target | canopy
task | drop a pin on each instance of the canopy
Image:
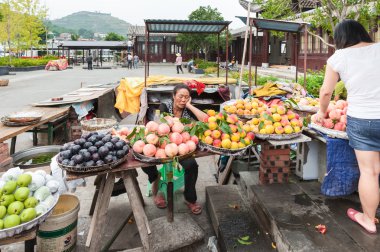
(115, 45)
(185, 26)
(275, 25)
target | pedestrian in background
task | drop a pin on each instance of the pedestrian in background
(178, 62)
(129, 60)
(89, 61)
(136, 61)
(357, 62)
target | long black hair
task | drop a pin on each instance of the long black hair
(179, 87)
(350, 32)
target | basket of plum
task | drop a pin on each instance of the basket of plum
(93, 152)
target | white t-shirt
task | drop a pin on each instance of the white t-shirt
(359, 69)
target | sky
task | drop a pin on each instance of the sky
(135, 11)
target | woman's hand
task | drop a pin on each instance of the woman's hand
(188, 102)
(320, 116)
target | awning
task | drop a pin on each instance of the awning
(113, 45)
(185, 26)
(275, 25)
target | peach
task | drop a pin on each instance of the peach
(183, 149)
(124, 132)
(208, 140)
(276, 117)
(176, 138)
(194, 139)
(138, 146)
(207, 133)
(212, 125)
(163, 129)
(178, 127)
(340, 126)
(233, 128)
(217, 143)
(171, 150)
(226, 143)
(251, 135)
(160, 153)
(281, 110)
(169, 120)
(288, 129)
(285, 122)
(334, 114)
(185, 137)
(343, 119)
(225, 136)
(192, 146)
(330, 107)
(206, 119)
(220, 116)
(211, 112)
(328, 123)
(211, 119)
(279, 130)
(152, 126)
(291, 115)
(340, 104)
(152, 139)
(216, 134)
(294, 122)
(163, 144)
(149, 150)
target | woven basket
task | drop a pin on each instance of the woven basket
(98, 124)
(4, 83)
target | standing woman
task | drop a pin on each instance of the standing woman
(180, 106)
(357, 64)
(178, 62)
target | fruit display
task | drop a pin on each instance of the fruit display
(307, 104)
(276, 120)
(336, 116)
(25, 196)
(92, 150)
(121, 133)
(245, 108)
(168, 139)
(225, 131)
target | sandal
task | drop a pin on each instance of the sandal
(351, 213)
(194, 207)
(159, 201)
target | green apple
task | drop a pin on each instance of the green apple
(24, 180)
(5, 200)
(9, 187)
(28, 215)
(1, 224)
(3, 211)
(12, 221)
(30, 202)
(22, 193)
(15, 207)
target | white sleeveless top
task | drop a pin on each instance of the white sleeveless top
(359, 68)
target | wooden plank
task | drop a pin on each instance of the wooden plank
(223, 177)
(138, 210)
(48, 114)
(23, 236)
(101, 216)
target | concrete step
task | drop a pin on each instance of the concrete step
(232, 220)
(290, 212)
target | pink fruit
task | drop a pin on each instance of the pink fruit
(330, 107)
(163, 129)
(339, 111)
(176, 138)
(152, 126)
(171, 150)
(192, 145)
(169, 120)
(217, 143)
(195, 139)
(185, 137)
(163, 144)
(149, 150)
(343, 119)
(328, 123)
(334, 114)
(138, 146)
(160, 153)
(340, 104)
(183, 149)
(340, 126)
(124, 132)
(345, 111)
(178, 127)
(152, 139)
(313, 118)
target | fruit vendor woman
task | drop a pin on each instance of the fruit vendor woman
(180, 107)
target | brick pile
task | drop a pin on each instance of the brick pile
(274, 164)
(5, 158)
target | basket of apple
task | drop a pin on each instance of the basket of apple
(26, 200)
(224, 134)
(245, 108)
(277, 123)
(306, 104)
(163, 142)
(335, 122)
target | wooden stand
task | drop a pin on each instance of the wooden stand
(28, 236)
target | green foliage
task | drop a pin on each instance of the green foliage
(211, 70)
(74, 37)
(261, 80)
(206, 64)
(84, 33)
(112, 36)
(19, 62)
(314, 81)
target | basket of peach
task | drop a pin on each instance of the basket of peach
(224, 134)
(163, 142)
(245, 108)
(277, 123)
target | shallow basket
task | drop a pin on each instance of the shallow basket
(305, 108)
(329, 132)
(222, 151)
(9, 232)
(5, 120)
(277, 136)
(91, 169)
(102, 125)
(146, 159)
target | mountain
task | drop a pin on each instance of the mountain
(92, 21)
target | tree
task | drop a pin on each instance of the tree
(204, 42)
(85, 33)
(112, 36)
(74, 37)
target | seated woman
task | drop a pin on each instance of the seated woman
(180, 107)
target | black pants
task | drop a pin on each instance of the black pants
(89, 65)
(191, 175)
(129, 64)
(179, 67)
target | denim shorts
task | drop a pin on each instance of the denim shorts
(363, 134)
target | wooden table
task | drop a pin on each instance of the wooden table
(126, 171)
(48, 114)
(28, 236)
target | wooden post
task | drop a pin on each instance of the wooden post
(244, 50)
(296, 54)
(146, 53)
(226, 55)
(218, 54)
(250, 57)
(305, 55)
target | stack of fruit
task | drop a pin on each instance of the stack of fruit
(25, 196)
(276, 120)
(245, 108)
(307, 104)
(226, 132)
(93, 149)
(336, 116)
(163, 140)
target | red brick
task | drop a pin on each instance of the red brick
(275, 152)
(265, 157)
(274, 147)
(275, 163)
(6, 162)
